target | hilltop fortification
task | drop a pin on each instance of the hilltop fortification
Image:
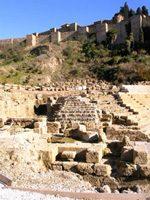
(75, 31)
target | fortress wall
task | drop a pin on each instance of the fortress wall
(146, 21)
(56, 36)
(83, 32)
(6, 43)
(31, 40)
(101, 30)
(18, 40)
(40, 38)
(45, 33)
(122, 34)
(64, 29)
(65, 35)
(92, 29)
(136, 24)
(73, 27)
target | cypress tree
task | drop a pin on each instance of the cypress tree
(141, 36)
(138, 11)
(144, 10)
(131, 13)
(125, 11)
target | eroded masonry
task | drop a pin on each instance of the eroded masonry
(85, 126)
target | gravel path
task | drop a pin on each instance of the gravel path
(8, 194)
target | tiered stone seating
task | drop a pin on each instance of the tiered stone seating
(75, 109)
(137, 101)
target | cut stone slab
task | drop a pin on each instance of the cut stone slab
(53, 127)
(89, 136)
(145, 170)
(140, 154)
(68, 155)
(102, 170)
(70, 166)
(127, 153)
(84, 168)
(94, 154)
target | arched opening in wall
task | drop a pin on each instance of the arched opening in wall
(41, 110)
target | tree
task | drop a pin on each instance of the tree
(131, 39)
(138, 11)
(125, 11)
(144, 10)
(111, 35)
(141, 36)
(131, 13)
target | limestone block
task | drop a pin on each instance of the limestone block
(38, 125)
(89, 136)
(43, 130)
(37, 130)
(57, 166)
(102, 136)
(102, 170)
(53, 127)
(82, 128)
(127, 153)
(145, 170)
(94, 154)
(125, 169)
(70, 166)
(84, 168)
(68, 155)
(48, 157)
(140, 154)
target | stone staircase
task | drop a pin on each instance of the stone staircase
(76, 109)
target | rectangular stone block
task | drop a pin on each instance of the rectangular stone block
(53, 127)
(140, 154)
(68, 155)
(37, 125)
(94, 154)
(102, 170)
(127, 153)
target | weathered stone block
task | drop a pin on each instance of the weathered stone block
(125, 169)
(53, 127)
(84, 168)
(127, 153)
(68, 155)
(70, 166)
(145, 170)
(94, 154)
(140, 154)
(48, 157)
(82, 128)
(102, 170)
(38, 124)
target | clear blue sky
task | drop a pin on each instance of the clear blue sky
(21, 17)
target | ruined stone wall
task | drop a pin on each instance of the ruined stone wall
(136, 24)
(31, 40)
(18, 40)
(146, 21)
(83, 32)
(101, 32)
(56, 36)
(92, 29)
(6, 43)
(122, 33)
(66, 35)
(41, 38)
